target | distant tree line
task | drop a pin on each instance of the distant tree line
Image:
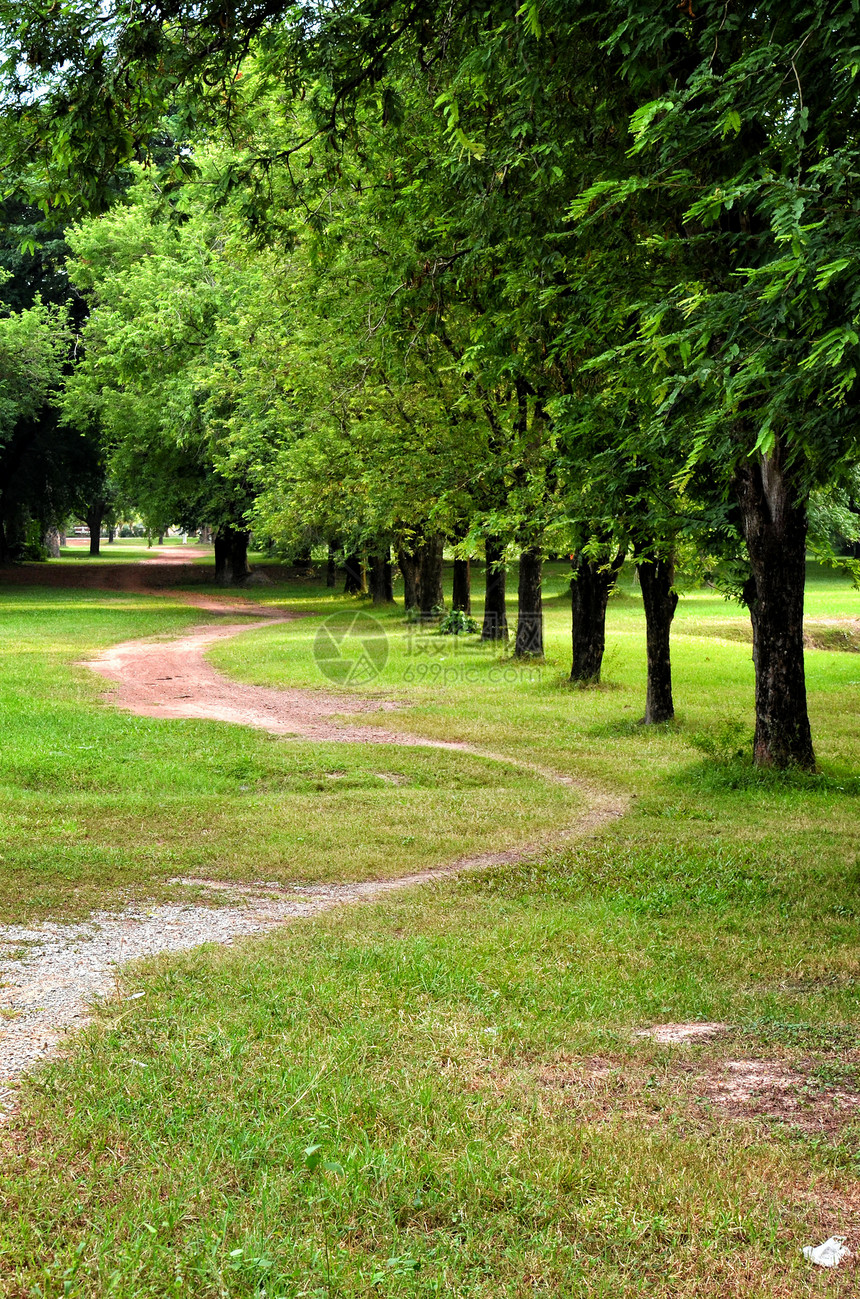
(517, 280)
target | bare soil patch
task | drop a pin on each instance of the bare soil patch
(150, 576)
(698, 1093)
(146, 576)
(778, 1092)
(692, 1032)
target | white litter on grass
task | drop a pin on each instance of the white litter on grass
(830, 1254)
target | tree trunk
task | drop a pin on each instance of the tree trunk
(431, 596)
(529, 642)
(238, 542)
(111, 534)
(590, 588)
(381, 577)
(52, 543)
(775, 524)
(231, 555)
(410, 569)
(355, 583)
(660, 601)
(220, 544)
(462, 595)
(495, 614)
(94, 517)
(331, 567)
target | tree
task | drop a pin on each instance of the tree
(33, 347)
(46, 469)
(744, 190)
(149, 346)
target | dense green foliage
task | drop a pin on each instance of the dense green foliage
(554, 278)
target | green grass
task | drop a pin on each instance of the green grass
(124, 550)
(128, 550)
(96, 804)
(460, 1058)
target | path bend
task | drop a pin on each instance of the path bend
(48, 986)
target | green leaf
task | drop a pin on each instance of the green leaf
(827, 272)
(313, 1157)
(731, 123)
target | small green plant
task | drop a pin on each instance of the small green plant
(316, 1166)
(457, 623)
(724, 741)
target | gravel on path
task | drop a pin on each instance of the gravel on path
(51, 972)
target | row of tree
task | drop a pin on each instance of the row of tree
(533, 278)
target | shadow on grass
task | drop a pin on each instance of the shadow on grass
(718, 774)
(628, 727)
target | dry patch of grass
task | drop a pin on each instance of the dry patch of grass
(812, 1095)
(818, 633)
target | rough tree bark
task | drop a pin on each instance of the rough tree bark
(495, 612)
(220, 544)
(381, 576)
(410, 568)
(462, 594)
(239, 542)
(590, 588)
(431, 596)
(775, 524)
(52, 543)
(660, 601)
(529, 641)
(356, 581)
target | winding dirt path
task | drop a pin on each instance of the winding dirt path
(51, 972)
(175, 679)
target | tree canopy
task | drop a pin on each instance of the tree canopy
(542, 276)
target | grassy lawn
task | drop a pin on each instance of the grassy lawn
(128, 550)
(443, 1093)
(97, 805)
